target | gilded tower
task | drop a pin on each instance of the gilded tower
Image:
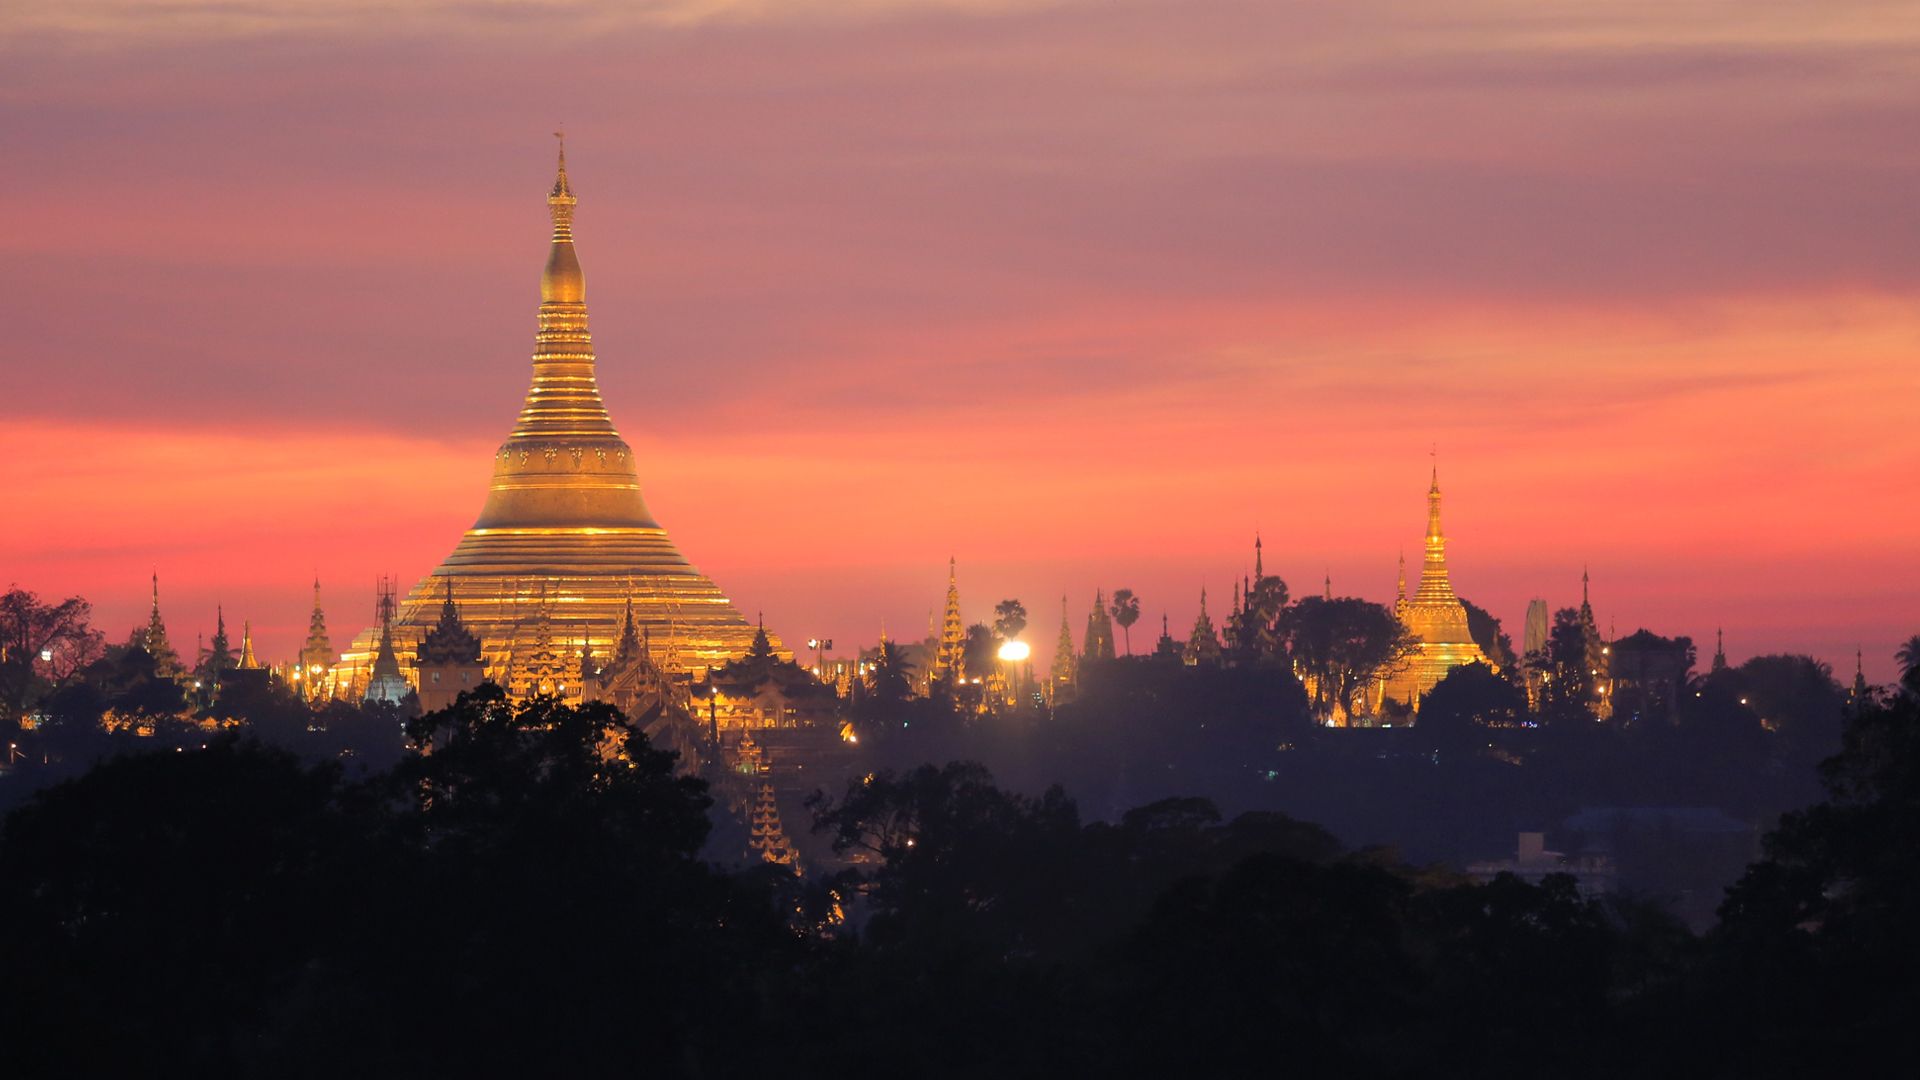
(166, 662)
(1435, 616)
(564, 520)
(1065, 667)
(950, 660)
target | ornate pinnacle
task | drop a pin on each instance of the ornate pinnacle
(560, 200)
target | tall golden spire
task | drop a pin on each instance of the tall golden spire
(565, 506)
(564, 464)
(1434, 583)
(247, 661)
(950, 661)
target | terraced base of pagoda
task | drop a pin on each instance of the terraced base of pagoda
(690, 623)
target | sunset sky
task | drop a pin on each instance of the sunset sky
(1081, 293)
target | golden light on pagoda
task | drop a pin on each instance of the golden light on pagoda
(565, 539)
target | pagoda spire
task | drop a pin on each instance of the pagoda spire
(247, 662)
(317, 656)
(1435, 585)
(1203, 645)
(1329, 585)
(221, 658)
(950, 661)
(629, 645)
(1860, 693)
(1401, 592)
(166, 661)
(1259, 571)
(1719, 650)
(564, 463)
(1098, 643)
(1062, 671)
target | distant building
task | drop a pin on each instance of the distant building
(1532, 862)
(388, 683)
(450, 661)
(1435, 616)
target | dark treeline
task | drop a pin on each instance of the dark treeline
(529, 898)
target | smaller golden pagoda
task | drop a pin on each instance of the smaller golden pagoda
(1434, 615)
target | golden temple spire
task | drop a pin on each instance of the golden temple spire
(560, 200)
(949, 661)
(247, 661)
(1434, 583)
(564, 464)
(1402, 593)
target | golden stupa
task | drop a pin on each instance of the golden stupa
(565, 539)
(1434, 615)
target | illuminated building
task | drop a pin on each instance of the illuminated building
(314, 670)
(564, 520)
(1435, 616)
(247, 661)
(388, 683)
(449, 662)
(1064, 669)
(631, 680)
(166, 662)
(766, 838)
(1534, 661)
(950, 660)
(1203, 645)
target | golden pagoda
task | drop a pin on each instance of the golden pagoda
(950, 660)
(565, 539)
(1434, 615)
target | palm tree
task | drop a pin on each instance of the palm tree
(1908, 657)
(1009, 618)
(1125, 611)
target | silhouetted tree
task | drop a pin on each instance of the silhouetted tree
(1125, 609)
(1009, 618)
(1470, 700)
(1814, 962)
(41, 646)
(1908, 657)
(1343, 645)
(1568, 694)
(1254, 631)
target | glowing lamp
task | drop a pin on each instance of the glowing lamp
(1015, 651)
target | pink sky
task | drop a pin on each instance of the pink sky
(1081, 293)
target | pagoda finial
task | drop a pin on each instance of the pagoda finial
(1258, 571)
(156, 592)
(561, 189)
(1435, 585)
(1403, 574)
(562, 282)
(1329, 584)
